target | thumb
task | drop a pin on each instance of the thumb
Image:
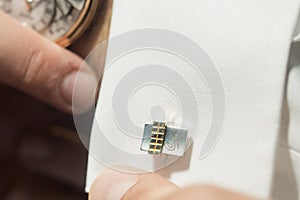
(43, 69)
(112, 185)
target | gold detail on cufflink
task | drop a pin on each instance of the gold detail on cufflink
(158, 139)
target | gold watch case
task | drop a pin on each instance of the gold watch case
(62, 21)
(81, 24)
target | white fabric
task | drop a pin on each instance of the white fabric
(249, 43)
(296, 37)
(286, 183)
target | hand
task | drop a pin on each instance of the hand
(112, 185)
(37, 162)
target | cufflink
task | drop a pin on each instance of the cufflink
(159, 138)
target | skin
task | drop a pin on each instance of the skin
(27, 59)
(109, 185)
(40, 68)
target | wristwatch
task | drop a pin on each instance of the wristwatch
(62, 21)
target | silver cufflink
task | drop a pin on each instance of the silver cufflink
(159, 138)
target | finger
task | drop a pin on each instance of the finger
(115, 186)
(112, 185)
(41, 68)
(205, 192)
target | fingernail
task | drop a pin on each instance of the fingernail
(79, 90)
(112, 185)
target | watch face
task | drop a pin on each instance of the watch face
(58, 20)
